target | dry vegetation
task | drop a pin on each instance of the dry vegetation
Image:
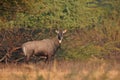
(94, 69)
(93, 38)
(78, 45)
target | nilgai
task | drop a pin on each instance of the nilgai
(45, 47)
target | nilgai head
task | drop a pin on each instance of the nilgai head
(60, 34)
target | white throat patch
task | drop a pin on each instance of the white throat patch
(60, 41)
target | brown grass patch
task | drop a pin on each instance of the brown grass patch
(62, 70)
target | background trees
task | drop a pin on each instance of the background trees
(93, 25)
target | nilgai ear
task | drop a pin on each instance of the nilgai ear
(64, 31)
(57, 31)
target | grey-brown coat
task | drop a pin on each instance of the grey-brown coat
(45, 47)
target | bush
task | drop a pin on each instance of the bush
(93, 25)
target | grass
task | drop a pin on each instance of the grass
(94, 69)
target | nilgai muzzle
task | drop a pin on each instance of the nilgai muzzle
(45, 47)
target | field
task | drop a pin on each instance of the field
(94, 69)
(90, 49)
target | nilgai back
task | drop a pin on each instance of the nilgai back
(45, 47)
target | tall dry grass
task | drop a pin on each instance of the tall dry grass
(94, 69)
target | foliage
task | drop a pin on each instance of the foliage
(60, 13)
(93, 25)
